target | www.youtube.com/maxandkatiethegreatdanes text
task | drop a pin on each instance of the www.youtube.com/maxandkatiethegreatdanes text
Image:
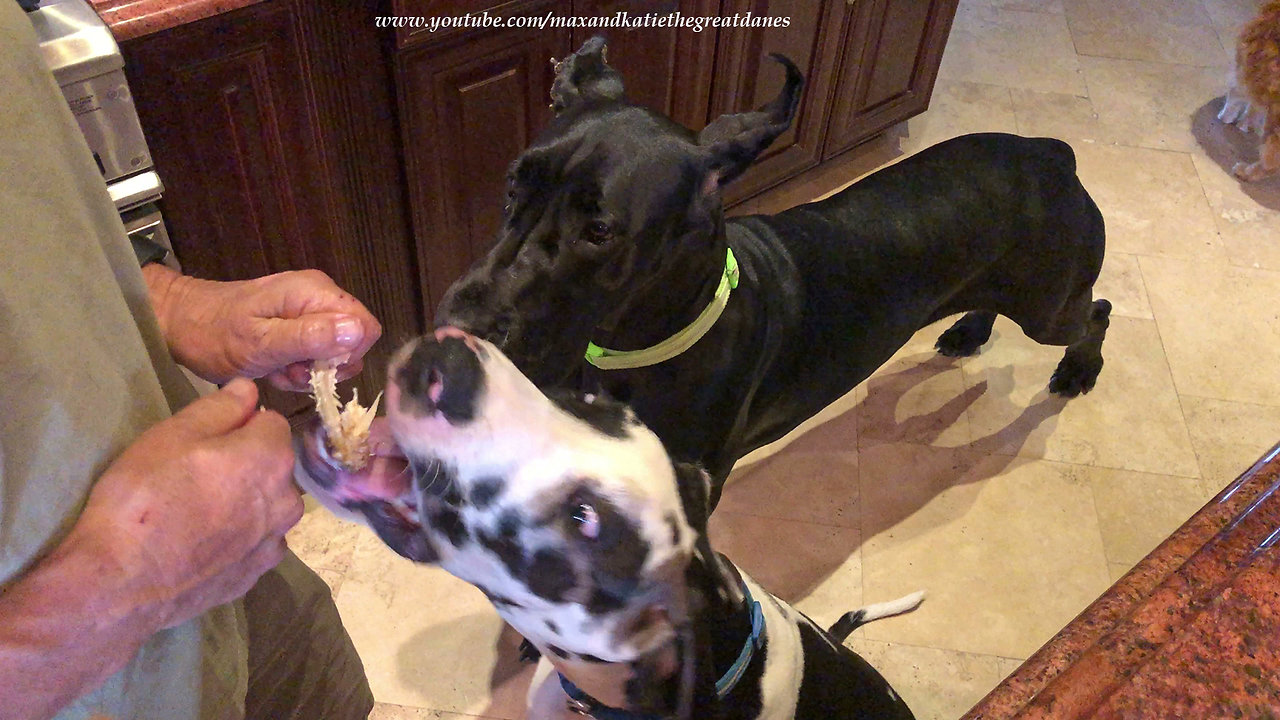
(619, 20)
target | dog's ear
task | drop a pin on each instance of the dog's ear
(694, 483)
(584, 77)
(733, 141)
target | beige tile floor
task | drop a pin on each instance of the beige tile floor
(1012, 509)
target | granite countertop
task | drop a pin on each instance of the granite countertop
(1193, 631)
(129, 19)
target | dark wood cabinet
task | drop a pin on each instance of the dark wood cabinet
(746, 78)
(211, 101)
(297, 133)
(468, 105)
(272, 164)
(471, 100)
(889, 61)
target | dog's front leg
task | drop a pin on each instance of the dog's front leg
(546, 699)
(1234, 106)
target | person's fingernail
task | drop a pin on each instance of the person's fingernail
(347, 331)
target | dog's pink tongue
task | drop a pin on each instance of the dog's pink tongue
(386, 476)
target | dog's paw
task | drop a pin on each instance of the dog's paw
(960, 340)
(1232, 110)
(1251, 172)
(1075, 376)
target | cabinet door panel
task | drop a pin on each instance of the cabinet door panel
(746, 78)
(890, 61)
(468, 110)
(241, 201)
(224, 107)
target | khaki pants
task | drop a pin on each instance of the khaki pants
(302, 665)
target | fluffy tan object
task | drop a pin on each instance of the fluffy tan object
(1253, 102)
(346, 427)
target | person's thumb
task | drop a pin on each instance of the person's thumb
(221, 412)
(319, 336)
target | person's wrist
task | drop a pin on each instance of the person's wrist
(115, 619)
(126, 599)
(166, 288)
(186, 309)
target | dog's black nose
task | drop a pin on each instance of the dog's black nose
(443, 373)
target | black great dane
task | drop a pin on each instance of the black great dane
(615, 269)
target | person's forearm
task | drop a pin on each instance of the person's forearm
(65, 627)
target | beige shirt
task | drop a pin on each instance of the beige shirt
(83, 371)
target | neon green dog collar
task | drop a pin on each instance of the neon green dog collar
(607, 359)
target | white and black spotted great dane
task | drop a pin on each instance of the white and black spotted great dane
(573, 520)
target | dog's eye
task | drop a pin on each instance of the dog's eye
(598, 232)
(587, 520)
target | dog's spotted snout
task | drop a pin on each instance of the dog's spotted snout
(443, 374)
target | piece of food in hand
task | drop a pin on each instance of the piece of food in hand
(346, 428)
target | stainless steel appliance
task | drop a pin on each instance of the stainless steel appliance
(87, 64)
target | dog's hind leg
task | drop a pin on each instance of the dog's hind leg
(967, 335)
(1079, 368)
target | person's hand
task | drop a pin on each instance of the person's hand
(196, 509)
(270, 327)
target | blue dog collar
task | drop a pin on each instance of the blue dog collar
(731, 677)
(587, 706)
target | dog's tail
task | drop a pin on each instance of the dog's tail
(853, 620)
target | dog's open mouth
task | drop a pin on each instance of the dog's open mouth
(384, 485)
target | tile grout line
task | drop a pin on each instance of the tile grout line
(997, 453)
(914, 646)
(964, 388)
(1066, 19)
(1213, 213)
(1097, 516)
(1155, 62)
(802, 522)
(436, 711)
(1210, 398)
(1217, 32)
(1013, 107)
(1164, 352)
